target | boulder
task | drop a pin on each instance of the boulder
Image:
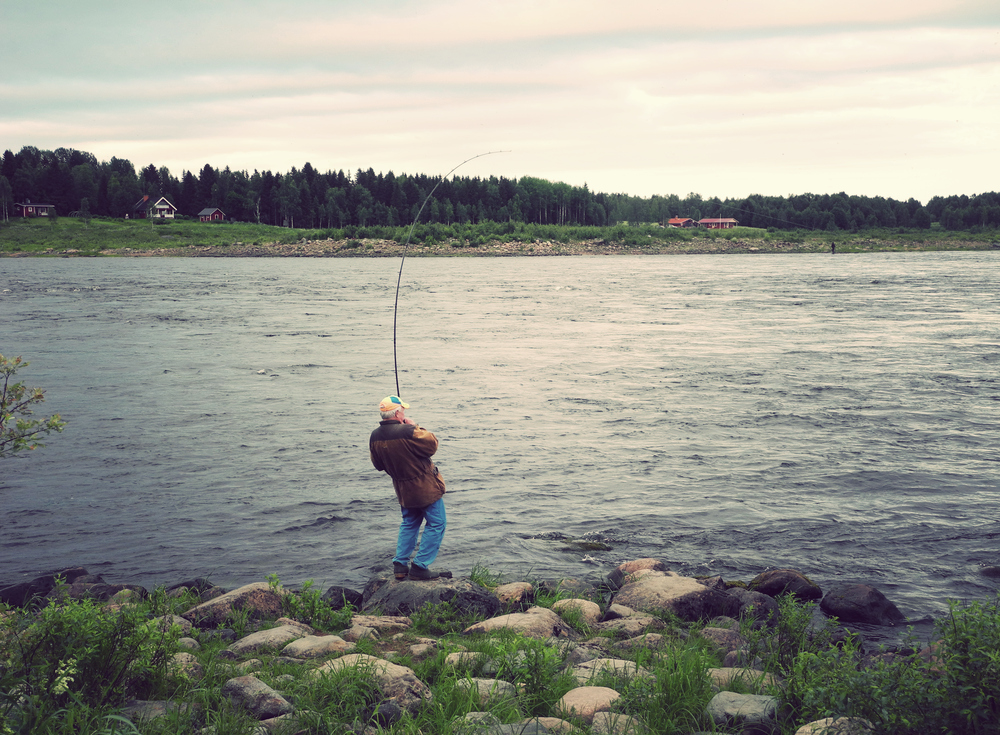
(620, 575)
(257, 698)
(756, 606)
(397, 683)
(489, 691)
(317, 646)
(837, 726)
(517, 595)
(20, 594)
(384, 593)
(382, 624)
(537, 622)
(339, 597)
(589, 670)
(754, 713)
(590, 612)
(585, 702)
(257, 599)
(775, 582)
(269, 640)
(860, 603)
(616, 723)
(723, 639)
(685, 597)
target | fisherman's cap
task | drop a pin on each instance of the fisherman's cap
(391, 403)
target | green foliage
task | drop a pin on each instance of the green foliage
(17, 431)
(74, 658)
(308, 606)
(441, 619)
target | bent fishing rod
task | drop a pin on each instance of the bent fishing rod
(399, 279)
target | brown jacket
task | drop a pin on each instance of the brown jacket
(404, 452)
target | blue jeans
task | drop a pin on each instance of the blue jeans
(430, 540)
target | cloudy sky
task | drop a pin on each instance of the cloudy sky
(896, 98)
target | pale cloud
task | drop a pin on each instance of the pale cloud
(725, 98)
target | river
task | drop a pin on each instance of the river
(727, 414)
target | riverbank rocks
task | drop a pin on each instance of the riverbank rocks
(383, 592)
(685, 597)
(620, 575)
(860, 603)
(255, 697)
(22, 593)
(837, 726)
(537, 622)
(257, 600)
(395, 682)
(271, 639)
(752, 713)
(776, 582)
(585, 702)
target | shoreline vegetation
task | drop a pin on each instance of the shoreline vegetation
(81, 237)
(643, 652)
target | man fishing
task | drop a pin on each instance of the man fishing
(403, 450)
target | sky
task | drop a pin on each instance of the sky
(727, 98)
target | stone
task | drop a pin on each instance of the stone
(185, 665)
(756, 606)
(271, 639)
(589, 670)
(630, 627)
(860, 603)
(489, 691)
(651, 641)
(137, 710)
(753, 712)
(620, 575)
(776, 582)
(166, 622)
(188, 644)
(257, 698)
(383, 624)
(553, 725)
(536, 622)
(360, 633)
(585, 702)
(837, 726)
(317, 646)
(339, 597)
(519, 595)
(258, 600)
(751, 678)
(396, 682)
(685, 597)
(22, 593)
(405, 597)
(615, 723)
(590, 612)
(724, 640)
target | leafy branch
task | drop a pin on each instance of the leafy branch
(18, 431)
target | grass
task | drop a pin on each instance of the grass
(104, 237)
(70, 666)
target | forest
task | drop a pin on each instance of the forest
(76, 183)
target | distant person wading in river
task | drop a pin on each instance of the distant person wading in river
(403, 450)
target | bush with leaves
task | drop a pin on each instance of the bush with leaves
(18, 432)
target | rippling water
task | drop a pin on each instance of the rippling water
(836, 414)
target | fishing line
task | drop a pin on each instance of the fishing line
(399, 279)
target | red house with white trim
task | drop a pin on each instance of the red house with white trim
(211, 214)
(27, 209)
(681, 222)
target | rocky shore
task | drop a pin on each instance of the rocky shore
(588, 629)
(390, 248)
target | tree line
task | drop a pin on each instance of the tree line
(75, 182)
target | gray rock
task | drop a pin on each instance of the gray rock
(256, 697)
(685, 597)
(537, 622)
(755, 606)
(620, 575)
(257, 599)
(775, 582)
(403, 598)
(398, 683)
(753, 713)
(860, 603)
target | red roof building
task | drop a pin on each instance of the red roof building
(681, 222)
(211, 214)
(27, 209)
(726, 223)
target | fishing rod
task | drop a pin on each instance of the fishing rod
(399, 279)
